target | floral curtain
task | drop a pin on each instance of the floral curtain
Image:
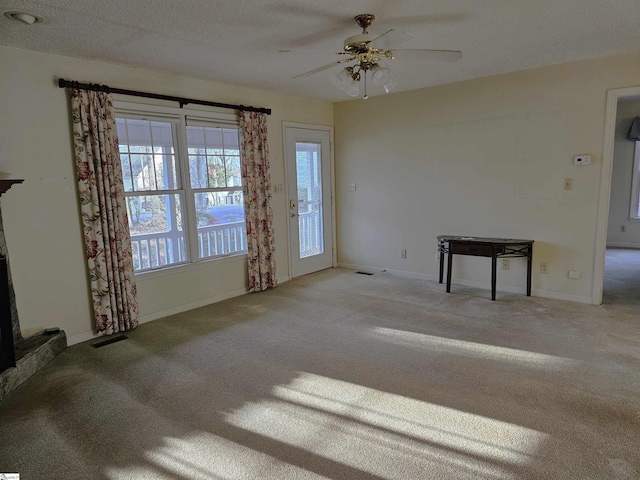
(257, 201)
(104, 213)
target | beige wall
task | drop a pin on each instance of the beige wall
(485, 157)
(41, 216)
(623, 156)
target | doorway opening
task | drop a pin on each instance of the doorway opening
(617, 259)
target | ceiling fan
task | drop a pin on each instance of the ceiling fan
(367, 51)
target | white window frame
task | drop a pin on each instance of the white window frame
(635, 186)
(197, 117)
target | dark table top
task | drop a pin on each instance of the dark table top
(483, 240)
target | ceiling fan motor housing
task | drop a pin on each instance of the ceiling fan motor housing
(358, 43)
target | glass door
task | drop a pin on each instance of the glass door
(309, 195)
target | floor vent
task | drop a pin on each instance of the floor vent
(109, 341)
(365, 273)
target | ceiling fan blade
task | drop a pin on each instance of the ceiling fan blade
(390, 39)
(430, 55)
(324, 67)
(324, 52)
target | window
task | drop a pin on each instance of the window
(182, 185)
(634, 212)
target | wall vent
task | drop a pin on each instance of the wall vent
(109, 341)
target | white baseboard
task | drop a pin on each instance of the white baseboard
(569, 297)
(471, 283)
(399, 273)
(193, 305)
(623, 245)
(83, 337)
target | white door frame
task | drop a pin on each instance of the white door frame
(605, 186)
(324, 128)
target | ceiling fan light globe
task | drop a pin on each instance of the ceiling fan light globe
(391, 82)
(341, 79)
(353, 90)
(380, 75)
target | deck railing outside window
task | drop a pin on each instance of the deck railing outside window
(155, 250)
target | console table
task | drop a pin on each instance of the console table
(484, 247)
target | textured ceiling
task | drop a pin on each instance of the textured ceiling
(238, 41)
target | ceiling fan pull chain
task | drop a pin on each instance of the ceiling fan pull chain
(366, 97)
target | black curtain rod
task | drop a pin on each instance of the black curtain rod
(62, 83)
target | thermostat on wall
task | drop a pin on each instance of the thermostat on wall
(582, 160)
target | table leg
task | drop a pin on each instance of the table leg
(441, 265)
(529, 259)
(449, 264)
(494, 261)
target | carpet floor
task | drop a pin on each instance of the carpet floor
(622, 277)
(345, 376)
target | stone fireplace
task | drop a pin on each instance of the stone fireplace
(19, 357)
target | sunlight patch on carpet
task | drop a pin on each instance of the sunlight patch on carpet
(205, 456)
(523, 358)
(386, 434)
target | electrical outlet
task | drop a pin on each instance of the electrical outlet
(403, 253)
(543, 268)
(623, 228)
(352, 186)
(505, 264)
(437, 257)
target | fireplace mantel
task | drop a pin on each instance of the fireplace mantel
(9, 323)
(6, 183)
(25, 356)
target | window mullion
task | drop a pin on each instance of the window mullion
(191, 223)
(153, 158)
(223, 155)
(126, 130)
(217, 189)
(146, 193)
